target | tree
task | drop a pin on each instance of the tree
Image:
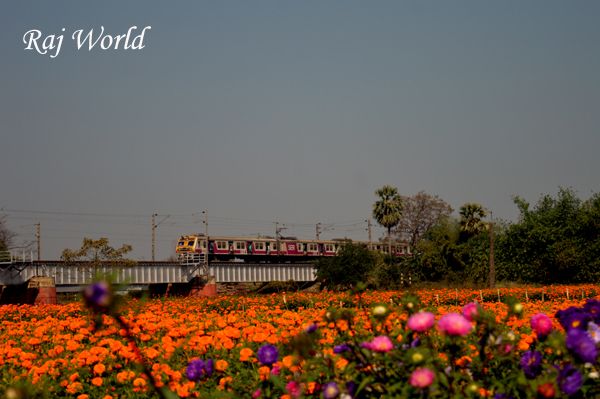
(96, 253)
(388, 210)
(6, 236)
(470, 220)
(558, 241)
(419, 214)
(353, 264)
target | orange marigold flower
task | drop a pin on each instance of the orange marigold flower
(288, 361)
(245, 354)
(224, 381)
(139, 382)
(264, 372)
(97, 381)
(99, 369)
(221, 365)
(83, 396)
(341, 364)
(74, 387)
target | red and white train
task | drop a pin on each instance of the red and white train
(195, 247)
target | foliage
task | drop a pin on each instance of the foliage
(98, 252)
(419, 214)
(388, 209)
(470, 220)
(6, 236)
(446, 254)
(556, 241)
(353, 264)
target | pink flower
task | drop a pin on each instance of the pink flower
(541, 324)
(470, 311)
(421, 378)
(421, 321)
(454, 324)
(381, 344)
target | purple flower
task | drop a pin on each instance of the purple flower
(573, 317)
(196, 369)
(569, 380)
(351, 387)
(311, 328)
(531, 363)
(98, 295)
(592, 307)
(330, 390)
(421, 321)
(582, 345)
(341, 348)
(594, 331)
(267, 354)
(209, 367)
(455, 324)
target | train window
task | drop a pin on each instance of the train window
(240, 245)
(221, 244)
(312, 247)
(181, 243)
(300, 247)
(190, 243)
(259, 246)
(329, 247)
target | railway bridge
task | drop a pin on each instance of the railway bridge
(19, 270)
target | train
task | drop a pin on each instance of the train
(195, 248)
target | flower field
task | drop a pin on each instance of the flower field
(534, 342)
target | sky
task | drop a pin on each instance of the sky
(288, 111)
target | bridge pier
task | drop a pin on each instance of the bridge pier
(41, 291)
(203, 288)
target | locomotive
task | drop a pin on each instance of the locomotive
(196, 247)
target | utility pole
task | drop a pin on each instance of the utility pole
(38, 238)
(154, 226)
(154, 215)
(318, 230)
(492, 266)
(206, 264)
(369, 230)
(277, 234)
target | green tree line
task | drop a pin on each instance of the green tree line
(555, 240)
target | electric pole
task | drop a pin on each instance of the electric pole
(369, 229)
(206, 264)
(277, 234)
(38, 238)
(154, 215)
(318, 230)
(492, 266)
(154, 226)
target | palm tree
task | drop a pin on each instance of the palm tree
(388, 210)
(470, 219)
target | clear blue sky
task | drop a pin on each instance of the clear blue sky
(292, 111)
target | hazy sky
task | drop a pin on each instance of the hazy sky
(295, 111)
